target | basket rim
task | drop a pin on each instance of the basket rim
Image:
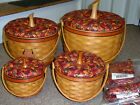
(95, 34)
(57, 30)
(31, 40)
(31, 79)
(23, 80)
(80, 79)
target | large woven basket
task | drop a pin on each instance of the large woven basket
(79, 89)
(107, 45)
(39, 48)
(24, 87)
(43, 49)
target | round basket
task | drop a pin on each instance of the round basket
(106, 44)
(79, 89)
(39, 48)
(25, 87)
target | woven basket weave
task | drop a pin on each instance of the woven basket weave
(79, 90)
(42, 49)
(24, 89)
(105, 45)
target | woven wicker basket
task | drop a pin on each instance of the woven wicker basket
(39, 48)
(24, 88)
(79, 90)
(43, 49)
(107, 45)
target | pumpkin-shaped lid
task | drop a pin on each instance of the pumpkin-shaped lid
(79, 64)
(24, 68)
(31, 27)
(93, 20)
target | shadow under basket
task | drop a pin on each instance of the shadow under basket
(79, 89)
(24, 88)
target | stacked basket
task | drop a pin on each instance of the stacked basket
(97, 32)
(32, 42)
(92, 39)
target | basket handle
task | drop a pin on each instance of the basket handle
(62, 30)
(3, 81)
(103, 84)
(5, 43)
(59, 35)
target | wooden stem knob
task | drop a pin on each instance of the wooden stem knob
(79, 61)
(24, 63)
(31, 20)
(94, 9)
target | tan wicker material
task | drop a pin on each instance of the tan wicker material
(79, 90)
(105, 45)
(24, 89)
(42, 49)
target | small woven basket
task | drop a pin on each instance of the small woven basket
(24, 88)
(39, 48)
(79, 89)
(107, 45)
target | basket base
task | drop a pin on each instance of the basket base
(79, 91)
(24, 89)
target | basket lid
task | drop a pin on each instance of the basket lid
(81, 20)
(79, 64)
(31, 28)
(24, 68)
